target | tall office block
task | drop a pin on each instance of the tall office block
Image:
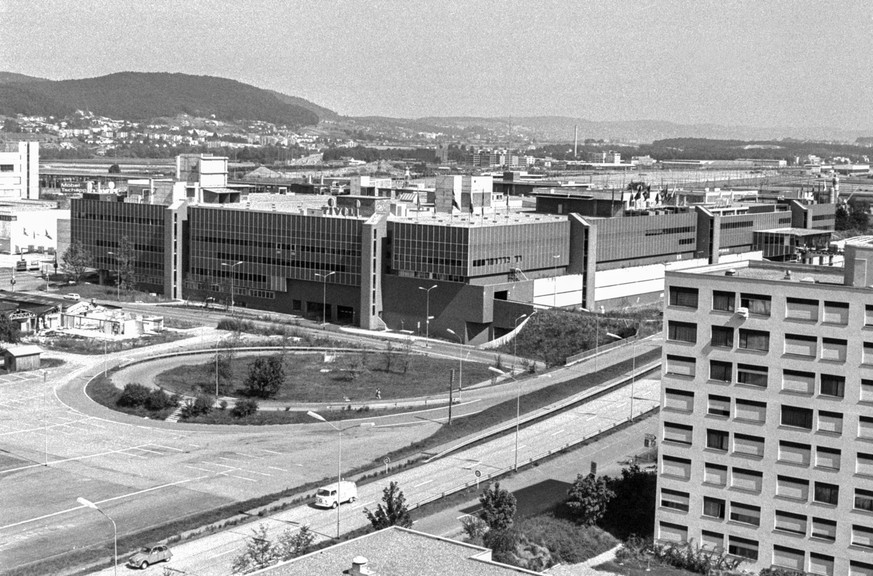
(19, 171)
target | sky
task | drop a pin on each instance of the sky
(732, 62)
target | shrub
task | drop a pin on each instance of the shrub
(222, 405)
(568, 543)
(200, 406)
(266, 377)
(244, 407)
(504, 540)
(498, 507)
(134, 395)
(158, 400)
(632, 510)
(474, 527)
(588, 498)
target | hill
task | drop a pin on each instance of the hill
(140, 96)
(12, 77)
(322, 112)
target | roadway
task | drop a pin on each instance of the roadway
(213, 555)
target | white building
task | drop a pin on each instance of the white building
(19, 171)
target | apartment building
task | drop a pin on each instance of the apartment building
(767, 420)
(19, 171)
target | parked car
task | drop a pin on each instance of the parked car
(72, 296)
(150, 555)
(327, 497)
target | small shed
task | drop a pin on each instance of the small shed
(22, 358)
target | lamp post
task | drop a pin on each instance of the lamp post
(324, 278)
(460, 362)
(596, 334)
(555, 291)
(45, 430)
(633, 365)
(90, 504)
(517, 410)
(339, 459)
(427, 313)
(117, 276)
(231, 266)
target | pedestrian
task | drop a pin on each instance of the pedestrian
(378, 394)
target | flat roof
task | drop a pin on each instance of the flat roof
(397, 552)
(467, 220)
(796, 231)
(800, 273)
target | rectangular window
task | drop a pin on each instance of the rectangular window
(674, 499)
(756, 303)
(797, 417)
(711, 540)
(820, 564)
(681, 365)
(798, 382)
(801, 309)
(681, 296)
(713, 507)
(789, 522)
(868, 315)
(676, 467)
(668, 532)
(863, 500)
(866, 390)
(750, 410)
(826, 493)
(801, 345)
(743, 547)
(746, 514)
(867, 358)
(827, 458)
(864, 464)
(857, 568)
(833, 350)
(682, 331)
(717, 440)
(862, 536)
(749, 480)
(754, 340)
(715, 474)
(832, 385)
(824, 529)
(678, 433)
(865, 427)
(752, 375)
(721, 371)
(831, 422)
(679, 400)
(794, 453)
(724, 301)
(718, 405)
(836, 313)
(794, 488)
(748, 445)
(790, 558)
(722, 337)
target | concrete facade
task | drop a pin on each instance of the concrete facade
(19, 171)
(767, 414)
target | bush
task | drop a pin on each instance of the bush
(568, 543)
(266, 377)
(158, 400)
(588, 498)
(134, 395)
(474, 527)
(498, 507)
(632, 510)
(200, 406)
(244, 407)
(505, 540)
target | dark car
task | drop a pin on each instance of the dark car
(150, 555)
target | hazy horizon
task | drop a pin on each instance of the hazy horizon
(737, 63)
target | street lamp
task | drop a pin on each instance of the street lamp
(500, 372)
(90, 504)
(460, 362)
(339, 459)
(231, 266)
(117, 276)
(555, 291)
(427, 313)
(324, 278)
(45, 430)
(633, 366)
(596, 334)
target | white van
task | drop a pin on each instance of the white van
(326, 497)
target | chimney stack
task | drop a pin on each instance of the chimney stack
(575, 141)
(359, 567)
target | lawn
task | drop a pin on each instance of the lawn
(81, 345)
(344, 377)
(103, 391)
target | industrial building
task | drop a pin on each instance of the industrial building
(767, 413)
(462, 256)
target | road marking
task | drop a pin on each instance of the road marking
(201, 469)
(270, 451)
(279, 469)
(258, 473)
(362, 504)
(231, 551)
(522, 446)
(131, 454)
(239, 477)
(423, 483)
(229, 459)
(167, 447)
(217, 464)
(558, 432)
(147, 450)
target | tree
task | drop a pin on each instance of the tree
(292, 544)
(10, 331)
(498, 507)
(115, 169)
(244, 407)
(588, 498)
(841, 218)
(259, 552)
(859, 214)
(632, 510)
(76, 260)
(125, 257)
(393, 511)
(266, 377)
